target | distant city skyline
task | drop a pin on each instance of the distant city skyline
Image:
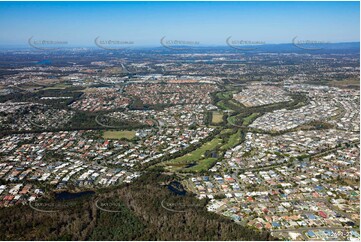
(205, 23)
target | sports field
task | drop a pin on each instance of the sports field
(217, 117)
(123, 134)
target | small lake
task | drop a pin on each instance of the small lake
(44, 62)
(176, 188)
(70, 195)
(190, 165)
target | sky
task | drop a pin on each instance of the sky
(209, 23)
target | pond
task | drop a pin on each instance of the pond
(44, 62)
(69, 195)
(176, 188)
(190, 165)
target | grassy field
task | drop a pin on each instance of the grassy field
(346, 82)
(222, 105)
(202, 165)
(217, 117)
(198, 153)
(233, 140)
(124, 134)
(196, 156)
(226, 95)
(60, 86)
(231, 119)
(224, 131)
(249, 119)
(229, 104)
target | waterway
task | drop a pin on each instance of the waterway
(70, 195)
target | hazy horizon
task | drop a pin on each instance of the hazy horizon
(208, 23)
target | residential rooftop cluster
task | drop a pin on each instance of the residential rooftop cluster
(101, 99)
(262, 150)
(20, 116)
(258, 95)
(160, 143)
(153, 94)
(114, 119)
(283, 119)
(13, 107)
(174, 116)
(332, 105)
(296, 198)
(17, 193)
(299, 185)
